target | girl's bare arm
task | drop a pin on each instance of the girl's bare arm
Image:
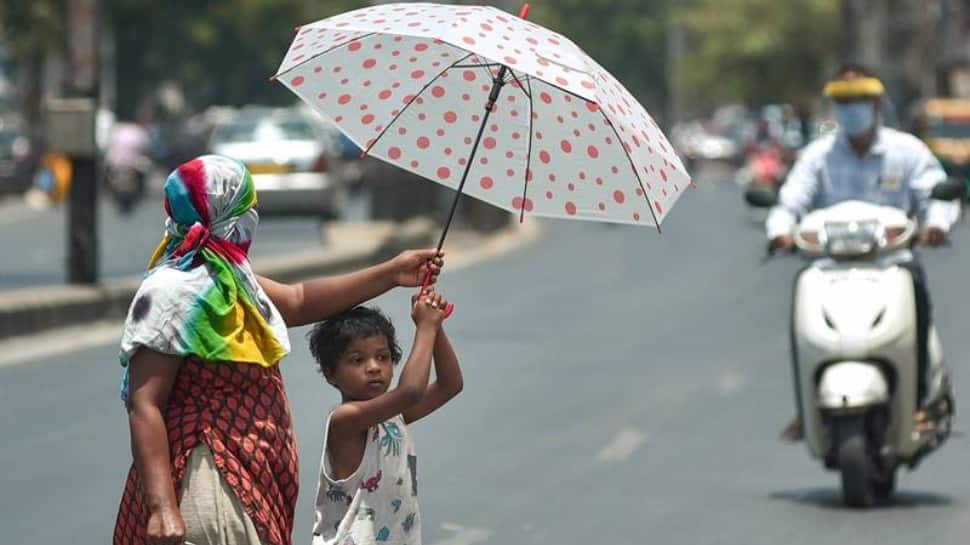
(448, 381)
(356, 416)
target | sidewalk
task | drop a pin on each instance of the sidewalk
(354, 244)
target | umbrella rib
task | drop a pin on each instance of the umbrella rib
(567, 91)
(479, 65)
(320, 54)
(522, 87)
(488, 69)
(619, 140)
(413, 99)
(528, 155)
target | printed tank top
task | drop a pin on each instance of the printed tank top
(378, 503)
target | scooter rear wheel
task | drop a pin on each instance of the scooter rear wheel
(855, 464)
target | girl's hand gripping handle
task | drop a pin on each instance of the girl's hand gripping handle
(424, 286)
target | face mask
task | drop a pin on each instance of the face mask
(855, 118)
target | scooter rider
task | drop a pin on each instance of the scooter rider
(866, 161)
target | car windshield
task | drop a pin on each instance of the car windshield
(267, 130)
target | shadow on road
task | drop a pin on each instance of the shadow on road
(831, 498)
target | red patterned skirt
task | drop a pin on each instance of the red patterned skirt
(241, 412)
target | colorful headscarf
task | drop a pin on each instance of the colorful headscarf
(200, 296)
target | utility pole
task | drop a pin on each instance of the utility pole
(676, 45)
(851, 49)
(72, 126)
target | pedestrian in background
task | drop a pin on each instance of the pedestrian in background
(215, 461)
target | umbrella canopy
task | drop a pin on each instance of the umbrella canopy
(456, 93)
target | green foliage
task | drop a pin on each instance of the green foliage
(220, 51)
(29, 28)
(757, 51)
(627, 37)
(224, 51)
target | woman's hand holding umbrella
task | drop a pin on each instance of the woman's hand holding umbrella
(415, 268)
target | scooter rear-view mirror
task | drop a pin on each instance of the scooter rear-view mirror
(761, 197)
(951, 189)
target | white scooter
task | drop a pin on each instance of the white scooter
(854, 348)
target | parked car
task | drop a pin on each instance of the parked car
(293, 159)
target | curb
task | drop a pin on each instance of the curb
(36, 309)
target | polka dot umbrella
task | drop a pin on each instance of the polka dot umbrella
(491, 105)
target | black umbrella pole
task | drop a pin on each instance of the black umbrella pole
(497, 84)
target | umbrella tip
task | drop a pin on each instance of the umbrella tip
(297, 28)
(524, 12)
(273, 78)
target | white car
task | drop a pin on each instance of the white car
(292, 157)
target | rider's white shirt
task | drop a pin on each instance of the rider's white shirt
(898, 171)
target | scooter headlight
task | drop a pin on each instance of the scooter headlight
(853, 238)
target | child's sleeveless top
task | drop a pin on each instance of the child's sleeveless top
(378, 503)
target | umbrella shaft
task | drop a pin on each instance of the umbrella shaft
(497, 84)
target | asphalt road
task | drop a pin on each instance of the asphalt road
(620, 387)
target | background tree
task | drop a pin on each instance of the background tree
(627, 37)
(757, 51)
(29, 30)
(218, 52)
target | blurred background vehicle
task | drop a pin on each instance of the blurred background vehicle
(18, 158)
(944, 124)
(295, 159)
(126, 165)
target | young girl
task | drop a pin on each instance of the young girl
(368, 489)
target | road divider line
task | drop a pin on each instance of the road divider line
(730, 382)
(16, 350)
(622, 445)
(463, 536)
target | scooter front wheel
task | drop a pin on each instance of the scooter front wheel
(855, 463)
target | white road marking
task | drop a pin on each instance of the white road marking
(730, 382)
(622, 446)
(16, 350)
(15, 210)
(463, 536)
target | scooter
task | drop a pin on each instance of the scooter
(127, 183)
(764, 169)
(854, 343)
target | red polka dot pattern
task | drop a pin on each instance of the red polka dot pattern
(241, 413)
(571, 141)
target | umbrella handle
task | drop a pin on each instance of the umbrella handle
(450, 308)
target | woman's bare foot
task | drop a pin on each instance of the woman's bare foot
(922, 423)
